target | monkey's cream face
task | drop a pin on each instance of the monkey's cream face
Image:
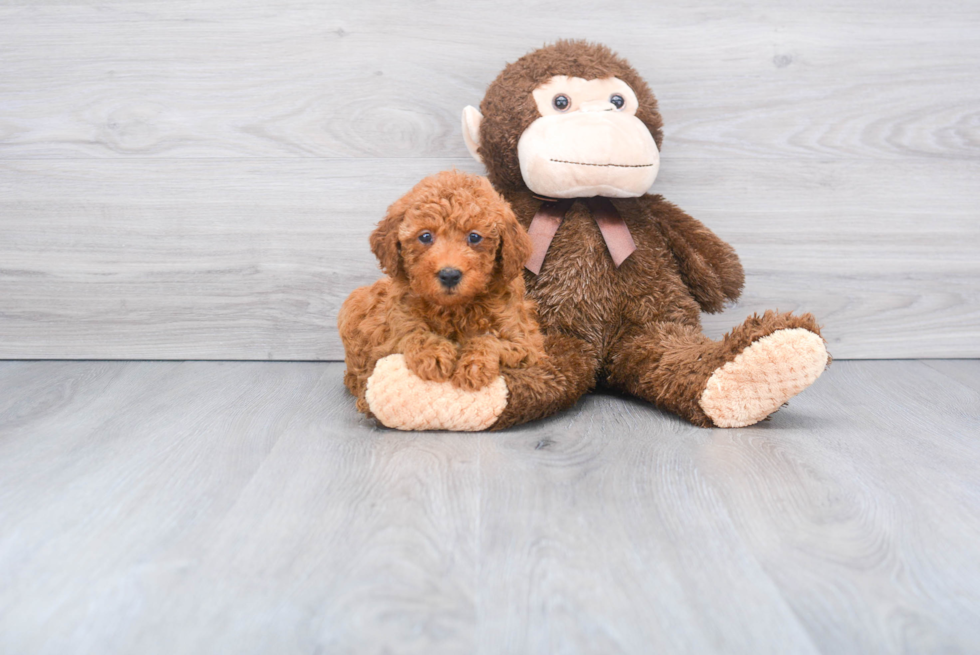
(587, 141)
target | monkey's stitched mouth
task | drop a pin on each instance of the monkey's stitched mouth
(585, 163)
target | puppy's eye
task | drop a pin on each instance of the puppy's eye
(561, 102)
(474, 238)
(617, 101)
(425, 237)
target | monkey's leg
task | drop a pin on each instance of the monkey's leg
(554, 383)
(734, 382)
(399, 399)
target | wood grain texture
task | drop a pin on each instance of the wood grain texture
(201, 472)
(193, 507)
(233, 259)
(958, 370)
(195, 180)
(334, 79)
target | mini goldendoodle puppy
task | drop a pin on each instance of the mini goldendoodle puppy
(453, 300)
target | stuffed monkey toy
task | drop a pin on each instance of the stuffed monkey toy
(570, 137)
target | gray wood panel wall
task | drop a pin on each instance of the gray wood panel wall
(198, 180)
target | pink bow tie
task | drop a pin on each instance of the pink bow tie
(549, 216)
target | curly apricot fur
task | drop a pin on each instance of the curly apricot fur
(463, 334)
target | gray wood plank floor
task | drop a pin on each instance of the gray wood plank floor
(244, 507)
(196, 180)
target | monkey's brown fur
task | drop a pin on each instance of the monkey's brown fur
(464, 334)
(635, 328)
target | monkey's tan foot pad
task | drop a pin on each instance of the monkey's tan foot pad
(763, 377)
(401, 400)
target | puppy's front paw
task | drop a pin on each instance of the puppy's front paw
(476, 370)
(513, 355)
(433, 361)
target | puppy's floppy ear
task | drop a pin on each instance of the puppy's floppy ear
(384, 240)
(515, 245)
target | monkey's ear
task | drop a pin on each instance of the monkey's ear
(515, 247)
(472, 118)
(384, 241)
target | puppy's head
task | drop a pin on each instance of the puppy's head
(452, 238)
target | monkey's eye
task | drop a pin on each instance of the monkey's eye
(561, 102)
(474, 238)
(617, 101)
(425, 237)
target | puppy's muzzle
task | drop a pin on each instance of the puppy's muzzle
(449, 277)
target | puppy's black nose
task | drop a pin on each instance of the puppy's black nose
(449, 277)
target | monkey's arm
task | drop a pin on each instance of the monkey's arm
(709, 266)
